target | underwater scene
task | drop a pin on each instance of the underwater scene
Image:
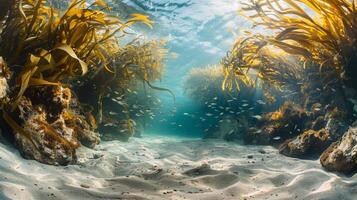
(178, 99)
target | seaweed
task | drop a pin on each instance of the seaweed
(309, 55)
(325, 34)
(46, 48)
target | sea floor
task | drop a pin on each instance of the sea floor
(156, 167)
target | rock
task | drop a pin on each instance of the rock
(336, 123)
(278, 126)
(341, 156)
(47, 128)
(47, 143)
(309, 143)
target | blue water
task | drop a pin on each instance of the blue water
(200, 32)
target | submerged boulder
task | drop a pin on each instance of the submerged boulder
(309, 143)
(48, 128)
(278, 126)
(336, 123)
(341, 156)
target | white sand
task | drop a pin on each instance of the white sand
(164, 168)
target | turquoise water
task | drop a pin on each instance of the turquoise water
(200, 32)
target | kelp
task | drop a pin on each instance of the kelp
(310, 39)
(52, 46)
(138, 63)
(44, 47)
(203, 84)
(318, 31)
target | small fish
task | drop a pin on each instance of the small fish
(277, 138)
(258, 131)
(215, 98)
(112, 113)
(186, 114)
(261, 102)
(258, 117)
(245, 105)
(230, 100)
(209, 114)
(108, 124)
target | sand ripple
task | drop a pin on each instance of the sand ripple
(173, 168)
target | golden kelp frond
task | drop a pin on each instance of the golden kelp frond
(239, 61)
(253, 58)
(53, 45)
(143, 60)
(319, 30)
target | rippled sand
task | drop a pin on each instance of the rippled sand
(173, 168)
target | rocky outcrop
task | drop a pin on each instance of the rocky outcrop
(341, 156)
(278, 126)
(309, 143)
(48, 128)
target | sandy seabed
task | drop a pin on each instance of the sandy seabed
(157, 167)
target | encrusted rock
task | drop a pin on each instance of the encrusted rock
(48, 129)
(309, 143)
(336, 123)
(278, 126)
(341, 156)
(47, 143)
